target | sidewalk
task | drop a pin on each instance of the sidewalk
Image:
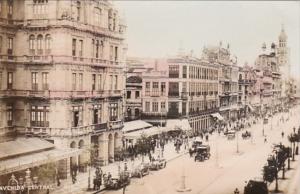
(289, 185)
(80, 187)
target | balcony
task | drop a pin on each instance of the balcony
(50, 59)
(173, 94)
(59, 94)
(153, 115)
(115, 125)
(60, 132)
(39, 123)
(184, 95)
(99, 127)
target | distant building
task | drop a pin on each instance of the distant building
(188, 90)
(228, 79)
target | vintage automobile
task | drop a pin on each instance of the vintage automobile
(246, 135)
(195, 144)
(115, 182)
(230, 134)
(140, 170)
(158, 164)
(255, 187)
(202, 153)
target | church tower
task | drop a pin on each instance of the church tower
(283, 54)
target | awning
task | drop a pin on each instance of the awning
(147, 132)
(250, 107)
(177, 124)
(23, 146)
(135, 125)
(36, 159)
(218, 116)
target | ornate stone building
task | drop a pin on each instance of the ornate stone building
(61, 74)
(186, 93)
(228, 77)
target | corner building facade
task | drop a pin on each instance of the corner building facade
(61, 72)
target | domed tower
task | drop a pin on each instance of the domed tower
(283, 53)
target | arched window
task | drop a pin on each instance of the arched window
(31, 44)
(40, 44)
(48, 44)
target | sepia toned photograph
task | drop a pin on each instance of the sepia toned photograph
(149, 97)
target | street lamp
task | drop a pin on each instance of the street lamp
(237, 142)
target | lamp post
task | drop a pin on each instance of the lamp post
(237, 142)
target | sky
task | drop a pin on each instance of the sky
(159, 28)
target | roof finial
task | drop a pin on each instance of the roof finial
(180, 49)
(282, 27)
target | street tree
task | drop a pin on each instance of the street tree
(293, 138)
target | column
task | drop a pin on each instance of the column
(103, 149)
(63, 168)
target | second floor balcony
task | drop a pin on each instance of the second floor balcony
(115, 125)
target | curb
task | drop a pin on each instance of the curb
(168, 160)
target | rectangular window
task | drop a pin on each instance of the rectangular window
(78, 8)
(9, 112)
(163, 88)
(10, 46)
(173, 71)
(10, 8)
(128, 94)
(0, 80)
(99, 82)
(93, 48)
(80, 84)
(113, 115)
(137, 94)
(45, 81)
(154, 106)
(9, 80)
(93, 81)
(111, 82)
(97, 114)
(80, 48)
(39, 116)
(34, 80)
(0, 42)
(147, 89)
(173, 89)
(184, 71)
(155, 89)
(147, 106)
(162, 107)
(77, 116)
(116, 53)
(111, 53)
(116, 82)
(183, 108)
(97, 49)
(74, 81)
(73, 47)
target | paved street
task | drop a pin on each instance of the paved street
(224, 173)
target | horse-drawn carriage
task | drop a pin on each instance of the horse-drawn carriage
(246, 135)
(140, 170)
(117, 181)
(202, 153)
